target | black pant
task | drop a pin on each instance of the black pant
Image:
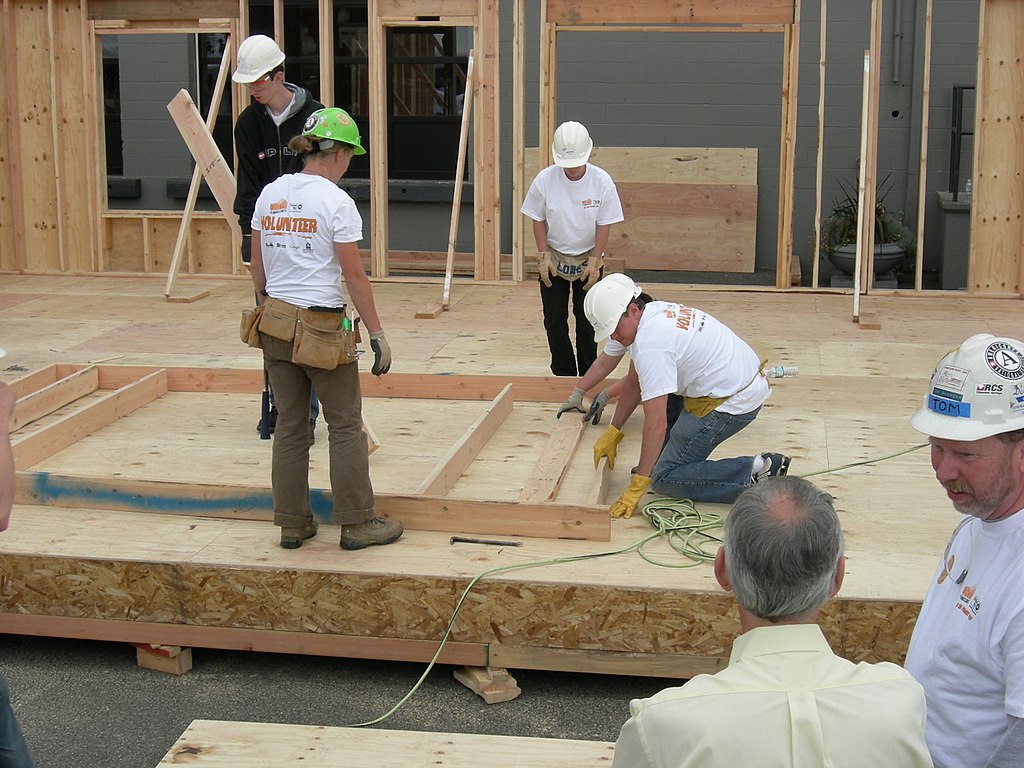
(555, 301)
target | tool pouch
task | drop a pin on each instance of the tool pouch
(702, 406)
(249, 329)
(321, 341)
(278, 319)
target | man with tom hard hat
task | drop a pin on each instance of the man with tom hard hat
(967, 649)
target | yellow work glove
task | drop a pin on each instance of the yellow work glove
(591, 273)
(630, 497)
(605, 446)
(544, 267)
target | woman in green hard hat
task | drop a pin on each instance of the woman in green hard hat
(306, 234)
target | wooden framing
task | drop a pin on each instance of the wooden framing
(56, 219)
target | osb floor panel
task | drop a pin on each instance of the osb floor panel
(850, 403)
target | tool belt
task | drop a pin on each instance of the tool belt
(702, 406)
(322, 337)
(569, 267)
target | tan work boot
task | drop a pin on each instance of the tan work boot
(375, 531)
(292, 538)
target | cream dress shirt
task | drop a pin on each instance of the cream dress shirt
(784, 700)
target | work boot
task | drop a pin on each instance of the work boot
(292, 538)
(375, 531)
(775, 464)
(271, 422)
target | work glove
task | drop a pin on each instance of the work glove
(246, 249)
(544, 267)
(591, 273)
(630, 497)
(573, 403)
(605, 446)
(597, 408)
(381, 353)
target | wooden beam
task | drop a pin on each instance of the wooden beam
(34, 380)
(54, 396)
(325, 10)
(159, 10)
(228, 638)
(421, 513)
(487, 143)
(550, 469)
(54, 437)
(604, 662)
(461, 455)
(922, 154)
(820, 146)
(378, 143)
(599, 12)
(787, 152)
(518, 130)
(599, 490)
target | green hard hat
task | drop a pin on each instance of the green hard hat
(335, 124)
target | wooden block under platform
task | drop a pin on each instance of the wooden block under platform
(187, 298)
(172, 659)
(429, 313)
(493, 685)
(869, 322)
(220, 744)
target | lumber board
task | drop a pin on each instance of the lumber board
(46, 441)
(601, 12)
(554, 460)
(232, 639)
(159, 10)
(54, 396)
(461, 454)
(213, 744)
(207, 156)
(556, 521)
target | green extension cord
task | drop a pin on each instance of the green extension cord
(685, 528)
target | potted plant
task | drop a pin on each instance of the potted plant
(893, 240)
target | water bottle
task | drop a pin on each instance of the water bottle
(781, 371)
(968, 189)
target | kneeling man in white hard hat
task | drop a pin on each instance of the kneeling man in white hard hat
(699, 383)
(967, 649)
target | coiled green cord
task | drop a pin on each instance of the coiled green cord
(684, 527)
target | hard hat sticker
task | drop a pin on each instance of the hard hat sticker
(944, 407)
(1005, 360)
(951, 377)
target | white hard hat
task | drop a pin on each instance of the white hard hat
(572, 145)
(976, 391)
(257, 55)
(606, 301)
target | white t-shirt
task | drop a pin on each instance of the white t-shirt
(685, 351)
(967, 649)
(299, 217)
(573, 209)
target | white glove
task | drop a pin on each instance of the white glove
(591, 273)
(573, 403)
(545, 269)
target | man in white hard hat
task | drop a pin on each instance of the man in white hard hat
(785, 699)
(13, 750)
(967, 649)
(699, 383)
(572, 205)
(277, 112)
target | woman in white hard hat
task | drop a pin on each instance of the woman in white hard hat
(276, 112)
(573, 205)
(307, 238)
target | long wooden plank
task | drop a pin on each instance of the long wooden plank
(237, 639)
(600, 12)
(45, 442)
(213, 744)
(604, 662)
(425, 513)
(159, 10)
(54, 396)
(207, 156)
(547, 475)
(35, 380)
(461, 455)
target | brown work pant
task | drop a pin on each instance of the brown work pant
(341, 406)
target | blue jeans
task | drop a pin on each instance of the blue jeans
(13, 750)
(683, 471)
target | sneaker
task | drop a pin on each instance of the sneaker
(292, 538)
(312, 431)
(271, 422)
(375, 531)
(775, 464)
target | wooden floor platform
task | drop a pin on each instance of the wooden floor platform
(220, 744)
(145, 519)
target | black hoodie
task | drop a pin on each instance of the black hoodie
(262, 149)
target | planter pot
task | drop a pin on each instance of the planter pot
(887, 256)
